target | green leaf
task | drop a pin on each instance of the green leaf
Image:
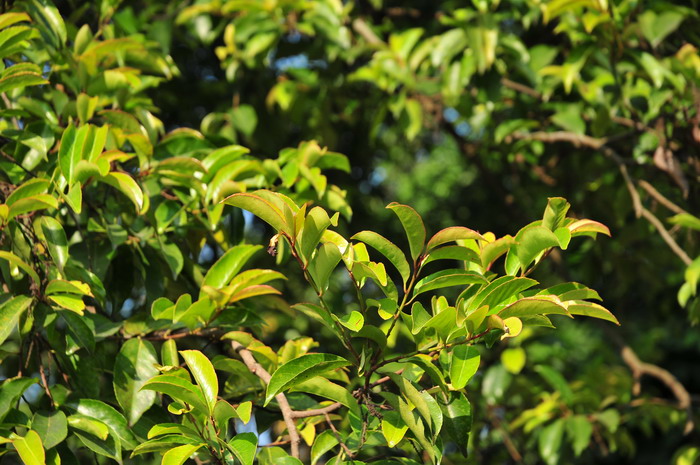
(70, 152)
(579, 429)
(513, 359)
(244, 446)
(168, 353)
(261, 208)
(393, 428)
(464, 364)
(532, 241)
(79, 331)
(10, 312)
(301, 369)
(179, 389)
(115, 421)
(49, 21)
(52, 427)
(501, 290)
(556, 381)
(323, 263)
(453, 233)
(447, 278)
(18, 79)
(127, 186)
(656, 27)
(133, 367)
(550, 442)
(205, 375)
(108, 447)
(686, 220)
(458, 420)
(324, 442)
(17, 262)
(89, 425)
(56, 240)
(322, 387)
(452, 252)
(28, 189)
(30, 448)
(587, 227)
(353, 321)
(10, 392)
(591, 309)
(537, 305)
(30, 204)
(388, 249)
(223, 271)
(413, 225)
(180, 454)
(315, 223)
(554, 214)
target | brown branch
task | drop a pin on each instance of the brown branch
(666, 236)
(640, 368)
(522, 88)
(338, 438)
(659, 197)
(577, 140)
(287, 412)
(45, 383)
(316, 412)
(361, 27)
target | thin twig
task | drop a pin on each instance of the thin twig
(640, 368)
(337, 437)
(659, 197)
(287, 412)
(316, 412)
(361, 27)
(666, 236)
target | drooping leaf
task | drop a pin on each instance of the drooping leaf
(179, 389)
(412, 225)
(261, 208)
(447, 278)
(56, 240)
(324, 442)
(127, 186)
(322, 387)
(17, 262)
(388, 249)
(531, 306)
(226, 267)
(458, 420)
(393, 428)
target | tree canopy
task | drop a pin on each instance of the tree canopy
(406, 166)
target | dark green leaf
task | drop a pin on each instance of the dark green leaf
(133, 367)
(301, 369)
(413, 226)
(388, 249)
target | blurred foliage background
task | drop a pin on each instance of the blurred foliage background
(474, 113)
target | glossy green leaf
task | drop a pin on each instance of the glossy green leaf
(554, 214)
(203, 372)
(464, 364)
(52, 427)
(458, 420)
(261, 208)
(393, 428)
(452, 252)
(315, 223)
(56, 239)
(115, 421)
(244, 446)
(10, 392)
(17, 262)
(29, 188)
(168, 353)
(412, 225)
(78, 331)
(223, 271)
(591, 309)
(447, 278)
(388, 249)
(180, 454)
(322, 387)
(133, 367)
(127, 186)
(686, 220)
(323, 443)
(10, 312)
(354, 321)
(301, 369)
(89, 425)
(531, 306)
(532, 241)
(323, 263)
(179, 389)
(49, 20)
(587, 227)
(451, 234)
(30, 448)
(30, 204)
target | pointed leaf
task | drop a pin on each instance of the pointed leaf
(447, 278)
(413, 225)
(133, 367)
(464, 364)
(388, 249)
(203, 372)
(10, 311)
(127, 186)
(222, 272)
(301, 369)
(30, 448)
(56, 240)
(453, 233)
(261, 208)
(244, 446)
(180, 454)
